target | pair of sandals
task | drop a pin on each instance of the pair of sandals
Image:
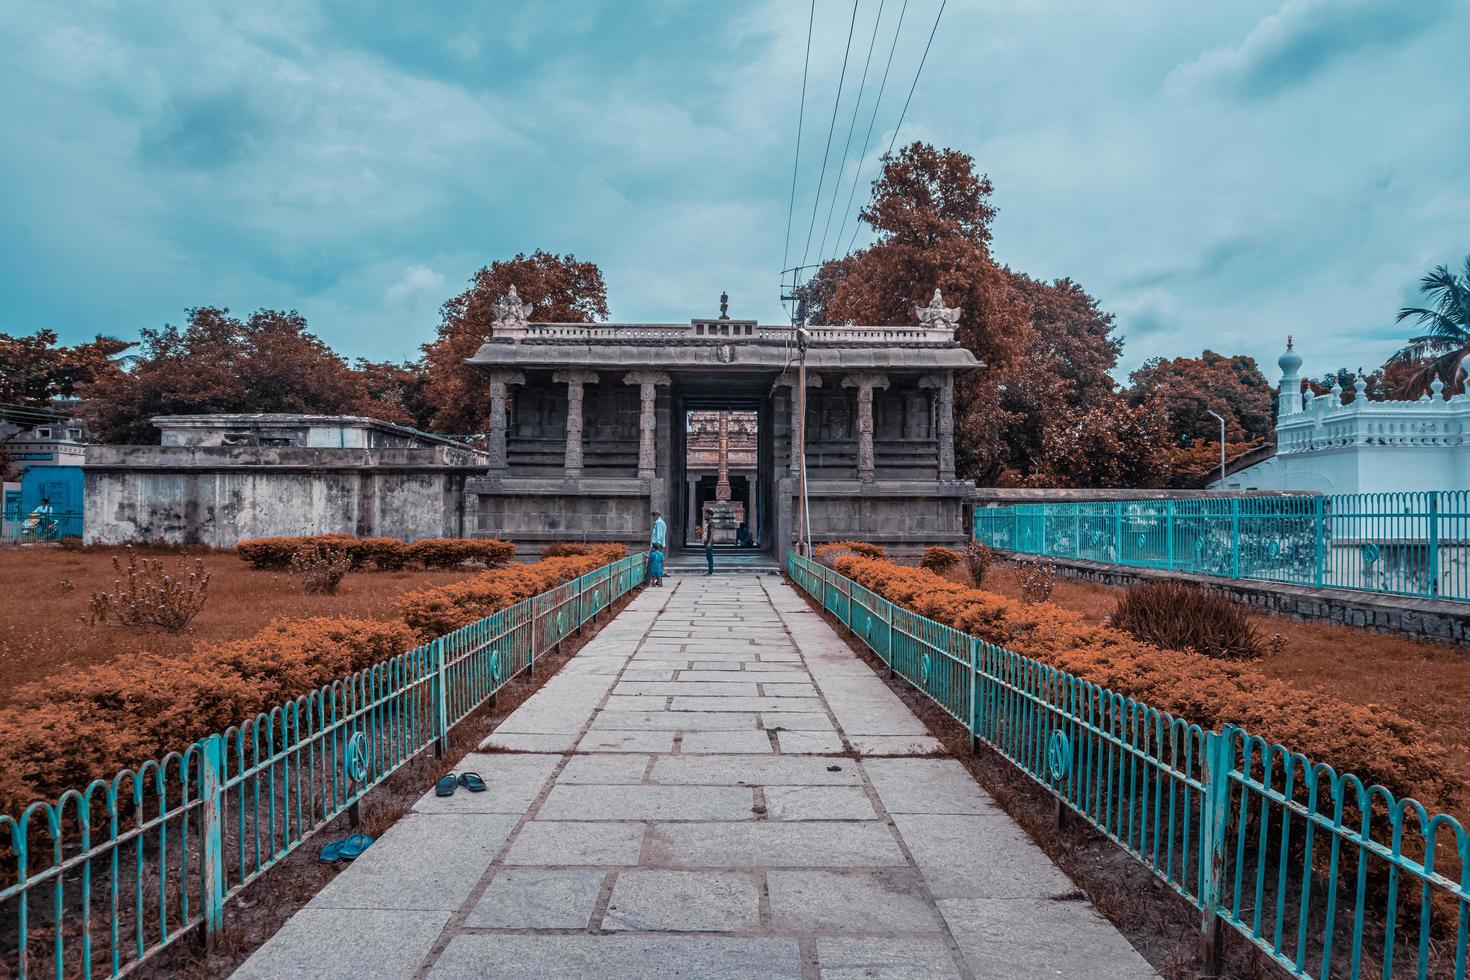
(345, 849)
(469, 780)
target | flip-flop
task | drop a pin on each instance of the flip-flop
(472, 782)
(354, 845)
(446, 785)
(332, 851)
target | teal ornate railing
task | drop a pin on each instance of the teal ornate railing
(106, 877)
(1327, 876)
(1414, 544)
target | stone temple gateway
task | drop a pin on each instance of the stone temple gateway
(590, 428)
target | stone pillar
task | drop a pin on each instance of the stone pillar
(943, 387)
(722, 484)
(500, 378)
(793, 437)
(574, 381)
(865, 383)
(648, 382)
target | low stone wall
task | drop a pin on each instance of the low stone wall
(1440, 621)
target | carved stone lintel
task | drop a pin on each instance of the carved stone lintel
(648, 382)
(500, 379)
(943, 386)
(865, 382)
(574, 380)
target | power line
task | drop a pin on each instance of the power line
(906, 101)
(851, 126)
(800, 120)
(867, 139)
(831, 128)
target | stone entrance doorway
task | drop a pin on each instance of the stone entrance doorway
(721, 471)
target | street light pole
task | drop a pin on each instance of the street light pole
(1222, 446)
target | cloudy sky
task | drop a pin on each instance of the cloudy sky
(1217, 174)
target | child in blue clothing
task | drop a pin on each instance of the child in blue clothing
(655, 566)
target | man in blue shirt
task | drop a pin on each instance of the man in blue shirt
(660, 532)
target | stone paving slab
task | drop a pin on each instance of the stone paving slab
(713, 787)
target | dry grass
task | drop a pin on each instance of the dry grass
(46, 593)
(1427, 682)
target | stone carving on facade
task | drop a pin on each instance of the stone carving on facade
(648, 382)
(943, 387)
(574, 380)
(865, 382)
(500, 380)
(511, 315)
(936, 315)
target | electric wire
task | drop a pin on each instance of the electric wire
(831, 128)
(910, 98)
(800, 121)
(868, 138)
(847, 146)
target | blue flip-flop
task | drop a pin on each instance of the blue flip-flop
(446, 785)
(332, 851)
(472, 782)
(354, 845)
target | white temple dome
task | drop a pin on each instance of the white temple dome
(1290, 361)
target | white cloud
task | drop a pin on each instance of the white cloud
(415, 281)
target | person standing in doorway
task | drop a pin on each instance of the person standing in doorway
(708, 537)
(659, 538)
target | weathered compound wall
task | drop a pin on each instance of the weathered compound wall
(217, 496)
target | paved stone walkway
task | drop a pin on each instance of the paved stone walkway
(713, 787)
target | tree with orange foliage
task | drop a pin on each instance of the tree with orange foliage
(1187, 387)
(932, 212)
(559, 288)
(268, 362)
(34, 369)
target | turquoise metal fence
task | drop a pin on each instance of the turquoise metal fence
(1328, 877)
(35, 527)
(1414, 544)
(105, 878)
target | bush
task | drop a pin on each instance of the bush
(386, 554)
(321, 568)
(1378, 745)
(63, 732)
(441, 609)
(978, 559)
(573, 549)
(1182, 617)
(151, 598)
(827, 553)
(452, 552)
(939, 560)
(1038, 580)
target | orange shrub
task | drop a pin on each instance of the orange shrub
(572, 549)
(1378, 745)
(443, 608)
(75, 727)
(938, 559)
(387, 554)
(827, 553)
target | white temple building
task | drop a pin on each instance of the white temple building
(1362, 446)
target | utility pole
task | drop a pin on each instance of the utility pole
(803, 336)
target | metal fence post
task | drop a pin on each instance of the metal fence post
(1317, 510)
(211, 795)
(888, 619)
(1214, 821)
(1434, 543)
(1235, 537)
(441, 701)
(1118, 531)
(971, 722)
(1169, 533)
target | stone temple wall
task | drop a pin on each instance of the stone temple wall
(218, 496)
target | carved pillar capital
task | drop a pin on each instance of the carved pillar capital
(648, 382)
(865, 382)
(574, 380)
(500, 379)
